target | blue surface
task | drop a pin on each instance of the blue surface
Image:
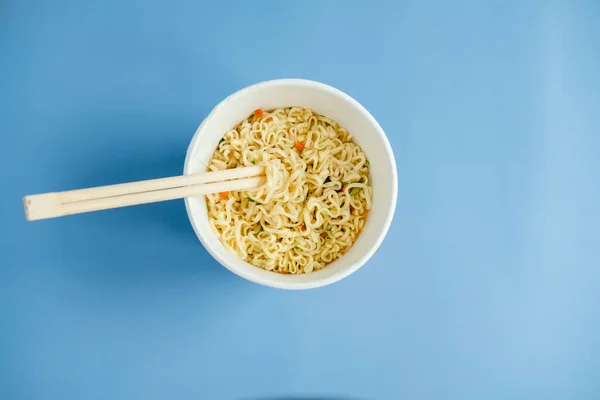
(487, 286)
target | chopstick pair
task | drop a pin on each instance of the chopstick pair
(52, 205)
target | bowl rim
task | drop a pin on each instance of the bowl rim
(295, 285)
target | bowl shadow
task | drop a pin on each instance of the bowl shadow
(130, 245)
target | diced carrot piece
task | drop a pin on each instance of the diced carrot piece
(303, 228)
(224, 195)
(258, 113)
(300, 146)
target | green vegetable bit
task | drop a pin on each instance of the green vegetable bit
(354, 191)
(367, 163)
(250, 199)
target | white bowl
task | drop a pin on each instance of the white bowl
(332, 103)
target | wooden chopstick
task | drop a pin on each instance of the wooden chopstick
(51, 205)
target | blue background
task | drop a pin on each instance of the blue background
(486, 287)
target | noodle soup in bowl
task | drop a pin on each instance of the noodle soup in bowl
(332, 104)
